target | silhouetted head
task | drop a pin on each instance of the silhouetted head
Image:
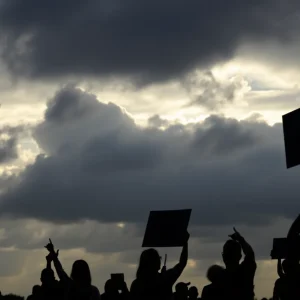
(149, 263)
(232, 252)
(215, 274)
(182, 290)
(193, 293)
(81, 273)
(36, 290)
(47, 276)
(110, 288)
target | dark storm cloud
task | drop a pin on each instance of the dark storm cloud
(154, 40)
(102, 166)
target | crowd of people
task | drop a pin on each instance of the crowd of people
(234, 281)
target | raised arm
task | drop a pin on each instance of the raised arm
(49, 260)
(247, 249)
(58, 267)
(62, 275)
(174, 273)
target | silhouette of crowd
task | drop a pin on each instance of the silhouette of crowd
(234, 280)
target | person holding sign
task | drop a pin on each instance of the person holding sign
(287, 285)
(149, 282)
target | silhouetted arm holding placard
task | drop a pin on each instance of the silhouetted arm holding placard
(174, 273)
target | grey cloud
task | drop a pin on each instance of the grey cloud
(67, 105)
(206, 90)
(157, 121)
(102, 166)
(149, 40)
(8, 150)
(215, 136)
(8, 143)
(11, 263)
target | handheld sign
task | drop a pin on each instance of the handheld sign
(291, 131)
(167, 228)
(280, 248)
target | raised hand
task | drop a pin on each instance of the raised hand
(50, 247)
(52, 256)
(236, 235)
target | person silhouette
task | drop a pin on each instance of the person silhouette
(36, 293)
(79, 285)
(193, 293)
(50, 287)
(215, 290)
(181, 291)
(152, 284)
(239, 277)
(111, 291)
(287, 285)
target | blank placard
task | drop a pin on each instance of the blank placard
(291, 131)
(167, 228)
(280, 248)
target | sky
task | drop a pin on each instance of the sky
(112, 108)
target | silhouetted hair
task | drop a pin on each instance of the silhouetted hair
(47, 275)
(109, 286)
(193, 292)
(81, 273)
(232, 250)
(36, 290)
(181, 287)
(215, 274)
(149, 263)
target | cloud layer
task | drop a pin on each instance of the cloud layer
(99, 165)
(152, 40)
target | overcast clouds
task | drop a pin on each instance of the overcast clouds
(113, 108)
(100, 159)
(153, 40)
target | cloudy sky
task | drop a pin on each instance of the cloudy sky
(112, 108)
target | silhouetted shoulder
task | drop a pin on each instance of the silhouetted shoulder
(206, 292)
(133, 286)
(95, 294)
